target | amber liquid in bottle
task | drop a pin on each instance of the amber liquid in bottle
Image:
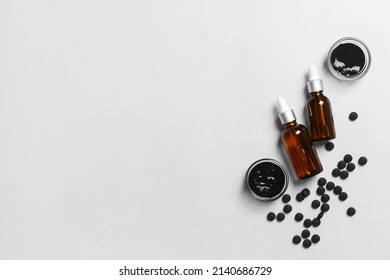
(300, 149)
(320, 117)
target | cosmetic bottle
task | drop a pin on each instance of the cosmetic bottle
(319, 109)
(297, 143)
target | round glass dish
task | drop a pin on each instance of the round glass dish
(349, 59)
(267, 179)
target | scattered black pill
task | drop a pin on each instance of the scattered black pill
(296, 239)
(315, 204)
(306, 243)
(307, 223)
(329, 146)
(315, 238)
(319, 217)
(351, 167)
(348, 158)
(320, 190)
(337, 190)
(351, 211)
(353, 116)
(300, 197)
(325, 197)
(344, 174)
(271, 216)
(330, 186)
(362, 161)
(321, 182)
(280, 217)
(341, 164)
(316, 222)
(343, 196)
(305, 233)
(325, 207)
(305, 192)
(287, 208)
(286, 198)
(336, 172)
(298, 217)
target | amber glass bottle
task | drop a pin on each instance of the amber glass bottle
(297, 143)
(319, 109)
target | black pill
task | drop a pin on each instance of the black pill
(287, 208)
(320, 190)
(321, 182)
(319, 217)
(315, 238)
(341, 164)
(330, 186)
(286, 198)
(316, 222)
(306, 243)
(305, 192)
(362, 161)
(298, 217)
(315, 204)
(329, 146)
(351, 211)
(325, 207)
(343, 196)
(347, 158)
(271, 216)
(351, 167)
(336, 172)
(344, 174)
(305, 233)
(299, 197)
(296, 239)
(337, 190)
(307, 223)
(280, 217)
(353, 116)
(325, 197)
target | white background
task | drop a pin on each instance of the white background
(126, 128)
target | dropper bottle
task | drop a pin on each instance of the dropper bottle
(297, 143)
(319, 109)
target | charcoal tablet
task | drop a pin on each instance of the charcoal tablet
(321, 182)
(307, 223)
(280, 217)
(325, 207)
(306, 243)
(362, 161)
(286, 198)
(337, 190)
(353, 116)
(330, 186)
(271, 216)
(305, 192)
(325, 197)
(296, 239)
(319, 217)
(315, 238)
(351, 167)
(320, 190)
(287, 208)
(347, 158)
(329, 146)
(305, 233)
(341, 164)
(299, 197)
(316, 222)
(343, 196)
(344, 174)
(336, 172)
(315, 204)
(351, 211)
(298, 217)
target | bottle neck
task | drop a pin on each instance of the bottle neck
(290, 124)
(317, 93)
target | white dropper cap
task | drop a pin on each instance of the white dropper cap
(315, 83)
(286, 114)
